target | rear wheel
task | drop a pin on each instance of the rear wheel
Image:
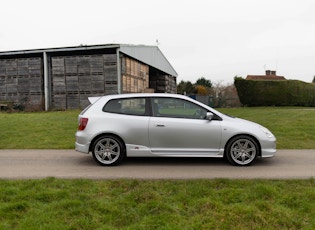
(241, 150)
(108, 150)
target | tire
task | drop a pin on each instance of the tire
(242, 150)
(108, 150)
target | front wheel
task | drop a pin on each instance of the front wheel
(108, 150)
(242, 150)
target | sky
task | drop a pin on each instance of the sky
(217, 40)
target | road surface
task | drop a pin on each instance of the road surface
(30, 164)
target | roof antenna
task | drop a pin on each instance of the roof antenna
(265, 66)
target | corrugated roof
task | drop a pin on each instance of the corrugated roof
(150, 55)
(59, 49)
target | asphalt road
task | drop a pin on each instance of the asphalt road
(30, 164)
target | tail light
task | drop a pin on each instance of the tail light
(82, 123)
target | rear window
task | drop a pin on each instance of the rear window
(128, 106)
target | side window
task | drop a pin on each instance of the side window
(128, 106)
(177, 108)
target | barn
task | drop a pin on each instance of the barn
(64, 78)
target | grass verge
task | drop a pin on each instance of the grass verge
(293, 127)
(38, 130)
(157, 204)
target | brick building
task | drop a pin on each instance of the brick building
(270, 75)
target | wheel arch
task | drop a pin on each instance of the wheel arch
(243, 134)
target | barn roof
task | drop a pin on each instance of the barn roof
(150, 55)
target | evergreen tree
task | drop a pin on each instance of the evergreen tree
(185, 87)
(204, 82)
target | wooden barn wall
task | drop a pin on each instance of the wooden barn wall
(135, 76)
(21, 82)
(75, 78)
(162, 83)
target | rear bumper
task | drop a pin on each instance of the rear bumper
(81, 148)
(81, 143)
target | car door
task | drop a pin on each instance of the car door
(129, 119)
(179, 128)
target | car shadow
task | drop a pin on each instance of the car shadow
(173, 161)
(189, 161)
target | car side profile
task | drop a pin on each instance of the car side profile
(113, 127)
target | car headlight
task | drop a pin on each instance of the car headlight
(266, 131)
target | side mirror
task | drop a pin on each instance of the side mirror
(209, 116)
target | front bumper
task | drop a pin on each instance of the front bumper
(269, 148)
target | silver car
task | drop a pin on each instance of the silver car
(144, 125)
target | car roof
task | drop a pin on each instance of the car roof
(133, 95)
(130, 95)
(94, 99)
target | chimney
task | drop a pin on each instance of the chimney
(268, 72)
(273, 72)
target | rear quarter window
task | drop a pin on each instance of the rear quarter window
(128, 106)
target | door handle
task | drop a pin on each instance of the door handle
(159, 125)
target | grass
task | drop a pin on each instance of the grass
(154, 204)
(157, 204)
(38, 130)
(293, 127)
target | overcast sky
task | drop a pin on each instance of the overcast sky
(215, 39)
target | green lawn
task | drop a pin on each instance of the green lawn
(293, 127)
(157, 204)
(154, 204)
(38, 130)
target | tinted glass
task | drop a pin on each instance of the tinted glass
(177, 108)
(129, 106)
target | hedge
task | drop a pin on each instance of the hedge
(275, 93)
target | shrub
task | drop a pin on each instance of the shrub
(275, 93)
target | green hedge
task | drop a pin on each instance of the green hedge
(278, 93)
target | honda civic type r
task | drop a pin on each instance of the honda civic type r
(113, 127)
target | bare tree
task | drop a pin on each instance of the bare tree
(225, 95)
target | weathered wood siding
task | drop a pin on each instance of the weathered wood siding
(21, 82)
(75, 78)
(163, 83)
(135, 76)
